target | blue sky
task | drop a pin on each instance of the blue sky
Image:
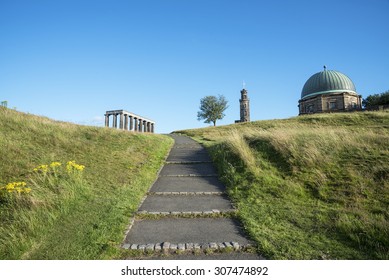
(74, 60)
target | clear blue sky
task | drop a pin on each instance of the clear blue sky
(73, 60)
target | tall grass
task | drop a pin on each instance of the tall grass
(70, 214)
(312, 187)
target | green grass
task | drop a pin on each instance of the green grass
(310, 187)
(65, 217)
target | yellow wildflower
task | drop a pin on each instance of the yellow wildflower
(18, 187)
(43, 168)
(79, 167)
(72, 165)
(10, 187)
(55, 164)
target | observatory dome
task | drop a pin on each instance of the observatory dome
(325, 82)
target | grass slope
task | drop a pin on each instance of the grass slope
(310, 187)
(62, 218)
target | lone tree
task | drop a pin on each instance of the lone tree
(212, 109)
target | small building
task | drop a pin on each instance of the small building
(244, 107)
(329, 91)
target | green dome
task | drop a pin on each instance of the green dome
(327, 81)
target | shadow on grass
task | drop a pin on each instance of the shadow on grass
(270, 154)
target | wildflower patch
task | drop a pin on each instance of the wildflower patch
(72, 167)
(52, 176)
(44, 168)
(16, 187)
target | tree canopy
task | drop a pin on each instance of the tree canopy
(376, 100)
(212, 109)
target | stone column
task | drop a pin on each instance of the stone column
(125, 122)
(115, 121)
(106, 120)
(140, 125)
(121, 121)
(152, 127)
(131, 123)
(136, 124)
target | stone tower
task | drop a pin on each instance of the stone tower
(244, 106)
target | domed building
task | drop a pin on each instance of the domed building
(329, 91)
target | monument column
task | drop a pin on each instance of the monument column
(121, 121)
(140, 125)
(106, 120)
(131, 123)
(125, 121)
(152, 127)
(114, 124)
(136, 124)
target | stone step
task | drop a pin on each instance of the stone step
(195, 146)
(192, 247)
(188, 155)
(186, 193)
(187, 210)
(183, 140)
(188, 162)
(186, 230)
(188, 255)
(185, 203)
(197, 169)
(187, 184)
(186, 214)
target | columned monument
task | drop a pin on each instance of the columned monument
(129, 121)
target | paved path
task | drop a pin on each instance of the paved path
(187, 210)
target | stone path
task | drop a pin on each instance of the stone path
(187, 211)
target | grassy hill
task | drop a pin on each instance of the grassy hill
(310, 187)
(68, 191)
